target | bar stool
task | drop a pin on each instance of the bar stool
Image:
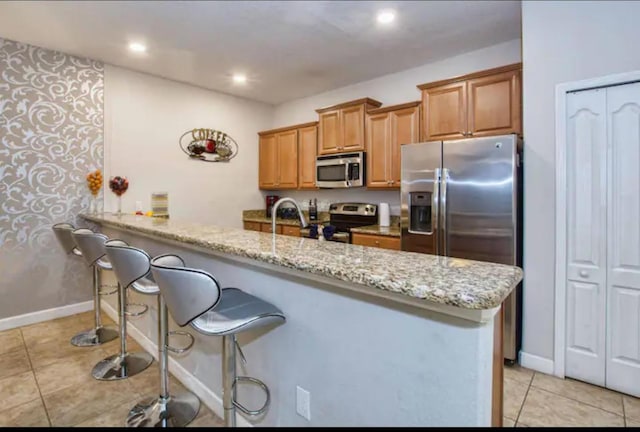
(99, 334)
(131, 266)
(124, 364)
(194, 297)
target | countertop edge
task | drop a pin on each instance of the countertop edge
(288, 222)
(377, 230)
(490, 305)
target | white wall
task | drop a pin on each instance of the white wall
(562, 41)
(145, 116)
(389, 89)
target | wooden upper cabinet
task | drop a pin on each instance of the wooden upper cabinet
(352, 125)
(479, 104)
(307, 148)
(342, 127)
(494, 104)
(388, 129)
(330, 140)
(288, 159)
(405, 129)
(267, 171)
(377, 150)
(445, 111)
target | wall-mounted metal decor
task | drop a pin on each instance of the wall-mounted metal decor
(208, 145)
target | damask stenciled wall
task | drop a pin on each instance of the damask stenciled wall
(51, 136)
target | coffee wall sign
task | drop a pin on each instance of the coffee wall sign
(208, 145)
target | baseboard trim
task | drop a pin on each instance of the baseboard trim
(537, 363)
(44, 315)
(209, 398)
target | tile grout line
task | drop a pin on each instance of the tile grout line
(624, 413)
(583, 402)
(524, 399)
(35, 378)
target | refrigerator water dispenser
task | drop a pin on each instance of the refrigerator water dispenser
(420, 212)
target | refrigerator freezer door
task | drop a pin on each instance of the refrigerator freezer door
(479, 212)
(419, 196)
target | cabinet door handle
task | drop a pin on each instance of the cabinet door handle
(584, 274)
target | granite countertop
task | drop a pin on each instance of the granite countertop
(390, 231)
(443, 280)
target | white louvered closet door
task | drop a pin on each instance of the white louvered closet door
(623, 239)
(586, 236)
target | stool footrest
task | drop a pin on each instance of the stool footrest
(144, 307)
(107, 289)
(181, 350)
(242, 407)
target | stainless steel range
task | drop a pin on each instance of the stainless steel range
(343, 217)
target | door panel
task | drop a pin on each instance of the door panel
(329, 139)
(623, 277)
(584, 320)
(377, 150)
(445, 111)
(288, 159)
(404, 130)
(307, 147)
(267, 170)
(352, 122)
(586, 231)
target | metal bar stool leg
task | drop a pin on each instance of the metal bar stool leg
(99, 334)
(124, 364)
(228, 379)
(166, 409)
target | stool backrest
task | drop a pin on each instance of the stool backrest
(187, 292)
(91, 244)
(129, 263)
(63, 234)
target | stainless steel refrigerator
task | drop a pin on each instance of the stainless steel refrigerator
(463, 199)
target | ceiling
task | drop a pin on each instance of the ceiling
(287, 49)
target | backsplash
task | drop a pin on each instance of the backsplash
(51, 129)
(328, 196)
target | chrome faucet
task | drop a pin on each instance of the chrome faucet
(274, 211)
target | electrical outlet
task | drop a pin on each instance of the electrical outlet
(303, 403)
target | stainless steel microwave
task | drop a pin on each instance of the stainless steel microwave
(343, 170)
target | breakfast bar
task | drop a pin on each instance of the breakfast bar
(376, 337)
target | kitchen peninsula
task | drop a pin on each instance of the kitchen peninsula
(421, 326)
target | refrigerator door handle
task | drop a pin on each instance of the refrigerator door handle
(435, 202)
(443, 208)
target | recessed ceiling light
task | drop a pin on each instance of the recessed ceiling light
(386, 16)
(239, 79)
(137, 47)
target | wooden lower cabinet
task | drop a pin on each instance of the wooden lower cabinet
(384, 242)
(266, 227)
(289, 230)
(252, 226)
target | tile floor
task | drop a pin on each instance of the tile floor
(45, 381)
(535, 399)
